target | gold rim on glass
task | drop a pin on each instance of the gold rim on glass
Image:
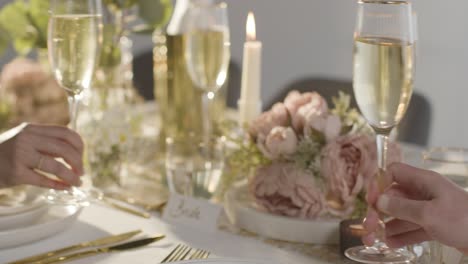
(383, 2)
(427, 155)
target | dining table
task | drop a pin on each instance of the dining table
(225, 241)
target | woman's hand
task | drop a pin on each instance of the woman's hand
(28, 149)
(424, 206)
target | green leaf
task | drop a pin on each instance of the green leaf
(14, 20)
(39, 16)
(23, 45)
(155, 12)
(317, 136)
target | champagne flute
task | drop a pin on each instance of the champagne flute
(383, 73)
(207, 53)
(73, 42)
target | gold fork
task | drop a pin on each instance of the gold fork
(177, 254)
(181, 252)
(200, 254)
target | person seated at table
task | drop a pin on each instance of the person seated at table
(28, 149)
(424, 206)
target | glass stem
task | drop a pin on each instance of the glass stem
(73, 104)
(382, 146)
(207, 118)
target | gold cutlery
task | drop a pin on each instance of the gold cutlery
(200, 254)
(178, 253)
(92, 252)
(157, 207)
(181, 252)
(125, 208)
(93, 243)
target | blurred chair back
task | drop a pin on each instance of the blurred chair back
(143, 74)
(414, 128)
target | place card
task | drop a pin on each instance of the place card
(190, 211)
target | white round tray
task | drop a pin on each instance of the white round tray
(240, 211)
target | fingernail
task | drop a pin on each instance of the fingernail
(382, 203)
(368, 239)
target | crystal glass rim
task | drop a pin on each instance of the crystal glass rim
(427, 155)
(384, 2)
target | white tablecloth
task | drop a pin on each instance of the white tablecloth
(98, 221)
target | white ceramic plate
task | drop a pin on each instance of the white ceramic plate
(238, 206)
(22, 219)
(223, 261)
(55, 220)
(27, 198)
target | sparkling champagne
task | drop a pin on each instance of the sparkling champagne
(179, 100)
(209, 55)
(383, 79)
(73, 50)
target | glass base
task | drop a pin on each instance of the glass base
(364, 254)
(73, 196)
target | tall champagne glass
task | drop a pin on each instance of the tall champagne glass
(73, 45)
(383, 74)
(207, 52)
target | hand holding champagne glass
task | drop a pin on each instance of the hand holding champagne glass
(207, 52)
(73, 44)
(383, 75)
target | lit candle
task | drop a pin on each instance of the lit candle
(250, 104)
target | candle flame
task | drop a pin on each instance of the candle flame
(250, 27)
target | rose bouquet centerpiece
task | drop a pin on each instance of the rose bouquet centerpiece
(308, 160)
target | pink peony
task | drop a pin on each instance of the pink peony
(303, 105)
(282, 189)
(329, 125)
(347, 164)
(35, 95)
(22, 73)
(341, 167)
(262, 125)
(280, 142)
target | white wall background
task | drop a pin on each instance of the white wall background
(314, 38)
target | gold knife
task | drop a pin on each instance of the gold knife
(130, 200)
(94, 243)
(125, 209)
(92, 252)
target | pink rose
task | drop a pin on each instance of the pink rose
(280, 142)
(341, 167)
(262, 125)
(35, 94)
(347, 164)
(302, 105)
(282, 189)
(22, 73)
(329, 125)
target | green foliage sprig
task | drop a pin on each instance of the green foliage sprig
(24, 22)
